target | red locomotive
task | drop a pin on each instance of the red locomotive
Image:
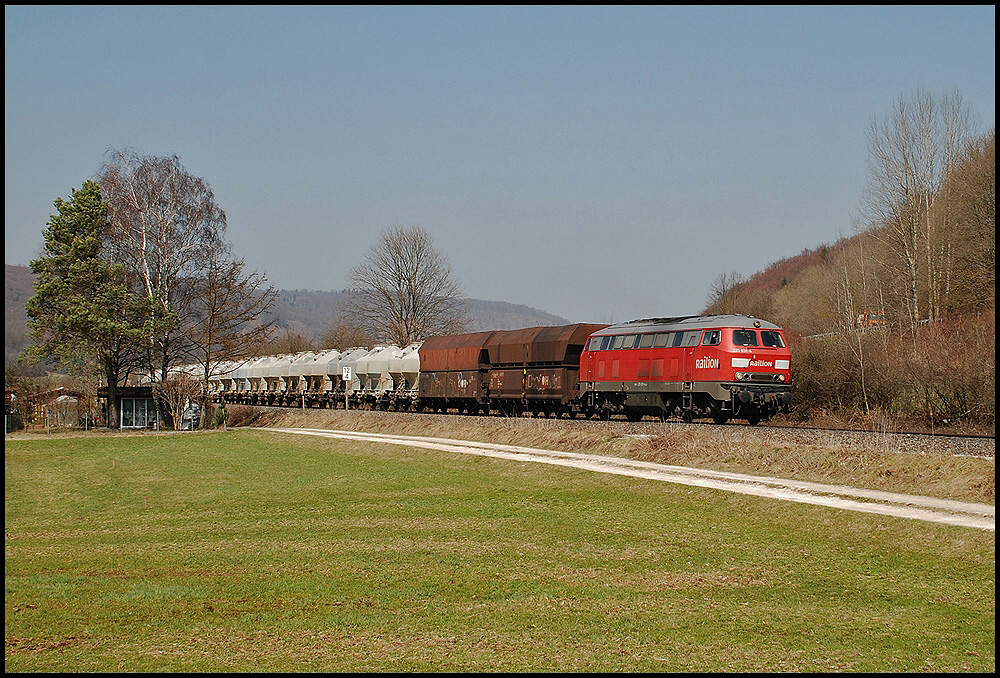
(721, 367)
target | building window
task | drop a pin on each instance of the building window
(137, 413)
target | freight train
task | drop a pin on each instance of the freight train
(693, 367)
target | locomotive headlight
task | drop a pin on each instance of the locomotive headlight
(740, 376)
(781, 377)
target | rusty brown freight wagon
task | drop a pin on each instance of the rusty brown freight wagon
(531, 370)
(451, 372)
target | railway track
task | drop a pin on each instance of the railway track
(904, 441)
(938, 434)
(899, 441)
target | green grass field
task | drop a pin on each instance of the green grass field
(253, 551)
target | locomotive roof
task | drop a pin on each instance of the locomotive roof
(686, 322)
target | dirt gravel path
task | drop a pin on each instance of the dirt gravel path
(963, 514)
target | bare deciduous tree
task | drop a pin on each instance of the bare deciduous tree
(223, 317)
(858, 296)
(343, 335)
(404, 290)
(177, 392)
(286, 341)
(724, 294)
(910, 153)
(165, 227)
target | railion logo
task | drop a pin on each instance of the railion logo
(707, 363)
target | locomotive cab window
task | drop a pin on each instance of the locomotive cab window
(692, 338)
(646, 341)
(617, 343)
(661, 340)
(744, 338)
(771, 339)
(597, 343)
(712, 338)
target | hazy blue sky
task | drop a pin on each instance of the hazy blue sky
(599, 163)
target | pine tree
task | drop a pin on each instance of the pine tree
(82, 314)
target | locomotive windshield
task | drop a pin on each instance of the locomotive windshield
(768, 338)
(744, 338)
(772, 339)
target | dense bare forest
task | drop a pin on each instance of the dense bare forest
(898, 320)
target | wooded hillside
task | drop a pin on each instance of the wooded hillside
(900, 318)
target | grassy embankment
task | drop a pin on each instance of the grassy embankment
(250, 551)
(879, 460)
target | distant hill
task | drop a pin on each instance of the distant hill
(311, 313)
(19, 284)
(307, 312)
